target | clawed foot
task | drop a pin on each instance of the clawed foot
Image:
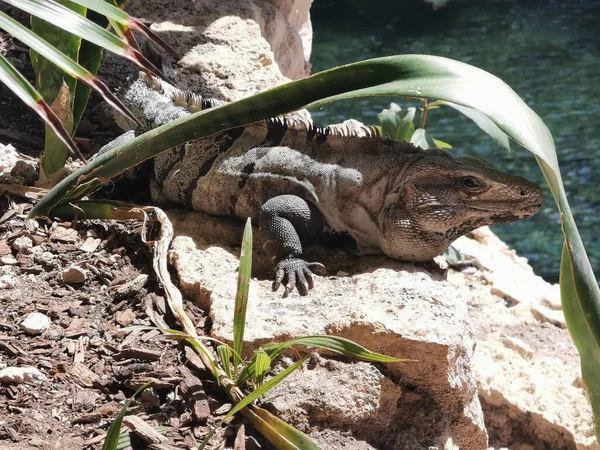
(296, 273)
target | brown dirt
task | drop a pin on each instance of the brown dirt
(91, 363)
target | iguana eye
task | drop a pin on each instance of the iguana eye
(471, 182)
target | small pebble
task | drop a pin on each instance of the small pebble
(22, 242)
(7, 281)
(19, 375)
(25, 171)
(35, 323)
(9, 260)
(74, 275)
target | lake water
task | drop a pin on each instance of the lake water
(547, 51)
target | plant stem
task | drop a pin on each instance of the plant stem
(423, 114)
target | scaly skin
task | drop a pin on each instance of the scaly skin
(300, 181)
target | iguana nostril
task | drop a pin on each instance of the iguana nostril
(523, 193)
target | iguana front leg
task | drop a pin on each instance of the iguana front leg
(284, 223)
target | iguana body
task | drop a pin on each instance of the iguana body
(300, 181)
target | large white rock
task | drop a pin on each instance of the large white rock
(526, 366)
(388, 307)
(233, 49)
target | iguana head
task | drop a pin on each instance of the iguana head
(440, 197)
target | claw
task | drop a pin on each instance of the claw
(296, 273)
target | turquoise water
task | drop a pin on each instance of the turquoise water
(547, 51)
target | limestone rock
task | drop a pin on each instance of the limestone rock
(233, 49)
(19, 375)
(387, 306)
(8, 158)
(35, 323)
(74, 275)
(526, 366)
(22, 242)
(539, 397)
(7, 281)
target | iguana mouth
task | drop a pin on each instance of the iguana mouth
(509, 207)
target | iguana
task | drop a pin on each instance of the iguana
(301, 182)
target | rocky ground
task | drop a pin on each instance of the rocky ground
(68, 290)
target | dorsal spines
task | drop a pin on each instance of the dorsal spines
(193, 102)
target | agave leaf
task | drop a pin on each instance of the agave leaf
(126, 21)
(13, 79)
(420, 76)
(65, 63)
(90, 56)
(68, 20)
(55, 152)
(483, 122)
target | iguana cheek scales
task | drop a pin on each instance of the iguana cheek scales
(298, 180)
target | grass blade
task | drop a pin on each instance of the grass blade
(241, 296)
(255, 394)
(114, 432)
(261, 365)
(334, 344)
(298, 439)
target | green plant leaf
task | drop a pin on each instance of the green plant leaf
(483, 122)
(298, 439)
(334, 344)
(421, 138)
(65, 63)
(241, 296)
(441, 144)
(13, 79)
(225, 353)
(122, 21)
(78, 25)
(112, 438)
(90, 57)
(262, 364)
(55, 152)
(254, 395)
(397, 123)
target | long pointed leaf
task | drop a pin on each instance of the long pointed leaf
(13, 79)
(71, 67)
(120, 16)
(291, 434)
(255, 394)
(112, 438)
(406, 75)
(78, 25)
(241, 296)
(334, 344)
